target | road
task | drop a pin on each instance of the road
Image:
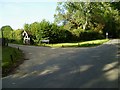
(44, 67)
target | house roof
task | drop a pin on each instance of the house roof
(28, 32)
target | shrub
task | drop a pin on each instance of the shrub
(17, 36)
(90, 35)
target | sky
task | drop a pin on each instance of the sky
(16, 14)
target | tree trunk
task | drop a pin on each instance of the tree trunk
(84, 26)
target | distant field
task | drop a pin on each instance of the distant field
(79, 44)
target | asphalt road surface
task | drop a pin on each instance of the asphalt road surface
(44, 67)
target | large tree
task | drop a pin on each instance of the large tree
(100, 16)
(73, 14)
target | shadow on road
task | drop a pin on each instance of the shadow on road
(94, 68)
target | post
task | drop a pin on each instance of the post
(2, 38)
(106, 35)
(18, 48)
(2, 33)
(6, 42)
(11, 58)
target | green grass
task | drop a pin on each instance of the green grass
(79, 44)
(7, 63)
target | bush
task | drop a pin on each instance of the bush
(17, 37)
(76, 34)
(90, 35)
(82, 35)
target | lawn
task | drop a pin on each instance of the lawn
(79, 44)
(10, 59)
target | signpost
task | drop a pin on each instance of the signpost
(107, 35)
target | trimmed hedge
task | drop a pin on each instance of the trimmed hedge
(90, 35)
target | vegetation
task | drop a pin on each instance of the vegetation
(17, 36)
(10, 59)
(97, 17)
(79, 44)
(14, 36)
(74, 22)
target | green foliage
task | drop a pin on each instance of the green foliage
(26, 27)
(74, 21)
(100, 17)
(46, 30)
(116, 5)
(16, 36)
(91, 35)
(81, 35)
(38, 30)
(76, 34)
(6, 31)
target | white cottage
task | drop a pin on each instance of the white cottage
(26, 38)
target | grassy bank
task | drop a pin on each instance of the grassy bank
(79, 44)
(11, 57)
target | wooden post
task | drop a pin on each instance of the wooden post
(7, 43)
(18, 48)
(11, 58)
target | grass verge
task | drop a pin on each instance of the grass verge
(11, 58)
(79, 44)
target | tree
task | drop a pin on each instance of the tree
(6, 30)
(73, 14)
(17, 36)
(116, 5)
(26, 27)
(100, 17)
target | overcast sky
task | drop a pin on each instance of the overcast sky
(16, 14)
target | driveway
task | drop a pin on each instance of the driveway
(44, 67)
